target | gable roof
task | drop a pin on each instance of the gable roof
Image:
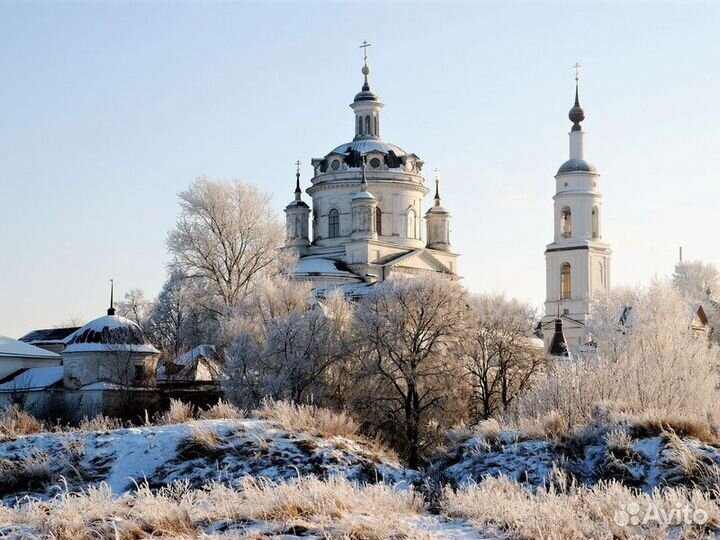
(430, 261)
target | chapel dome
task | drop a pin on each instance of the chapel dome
(109, 333)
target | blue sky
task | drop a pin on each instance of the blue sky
(108, 109)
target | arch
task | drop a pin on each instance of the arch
(378, 221)
(376, 125)
(565, 281)
(595, 222)
(360, 125)
(333, 223)
(411, 224)
(566, 222)
(367, 125)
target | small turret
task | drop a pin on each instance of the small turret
(438, 221)
(364, 207)
(297, 217)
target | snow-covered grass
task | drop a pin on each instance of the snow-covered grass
(572, 511)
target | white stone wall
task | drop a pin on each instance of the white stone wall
(83, 368)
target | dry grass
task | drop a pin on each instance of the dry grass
(574, 512)
(24, 473)
(330, 509)
(99, 423)
(222, 410)
(316, 421)
(178, 413)
(652, 424)
(15, 422)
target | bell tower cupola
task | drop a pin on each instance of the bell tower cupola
(367, 106)
(438, 221)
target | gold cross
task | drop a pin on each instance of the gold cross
(364, 46)
(577, 71)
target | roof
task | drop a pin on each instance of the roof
(37, 378)
(111, 333)
(49, 335)
(349, 290)
(576, 165)
(12, 348)
(558, 345)
(363, 146)
(315, 265)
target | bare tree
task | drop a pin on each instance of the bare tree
(409, 330)
(499, 356)
(226, 237)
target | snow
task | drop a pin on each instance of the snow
(319, 265)
(17, 349)
(34, 379)
(111, 347)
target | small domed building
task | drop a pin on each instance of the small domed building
(109, 367)
(367, 211)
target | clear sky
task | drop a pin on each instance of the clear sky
(108, 109)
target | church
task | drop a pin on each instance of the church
(577, 262)
(368, 221)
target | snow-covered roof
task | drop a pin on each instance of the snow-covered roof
(37, 378)
(321, 266)
(12, 348)
(363, 146)
(350, 290)
(110, 333)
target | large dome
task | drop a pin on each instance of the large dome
(364, 146)
(107, 334)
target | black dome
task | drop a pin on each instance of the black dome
(576, 165)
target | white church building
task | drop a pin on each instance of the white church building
(368, 220)
(578, 260)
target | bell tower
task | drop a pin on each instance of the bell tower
(578, 260)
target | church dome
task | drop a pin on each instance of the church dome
(364, 146)
(576, 165)
(108, 334)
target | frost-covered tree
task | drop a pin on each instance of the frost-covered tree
(135, 306)
(408, 339)
(499, 357)
(226, 238)
(285, 349)
(693, 279)
(651, 361)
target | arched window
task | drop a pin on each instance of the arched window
(595, 222)
(367, 125)
(377, 126)
(359, 129)
(566, 222)
(565, 289)
(333, 224)
(378, 221)
(411, 225)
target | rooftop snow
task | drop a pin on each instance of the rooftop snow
(13, 348)
(37, 378)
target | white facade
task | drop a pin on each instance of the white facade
(367, 211)
(578, 260)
